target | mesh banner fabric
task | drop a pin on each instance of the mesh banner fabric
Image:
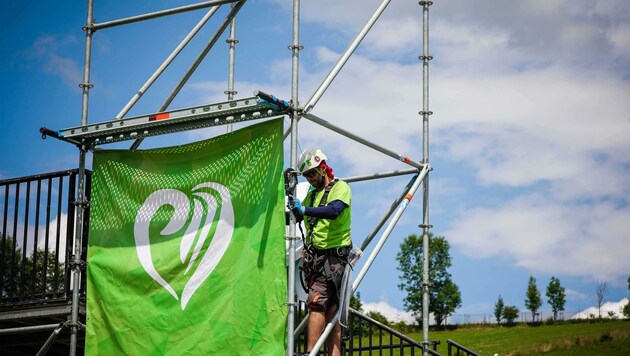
(186, 252)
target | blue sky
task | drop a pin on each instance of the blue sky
(530, 137)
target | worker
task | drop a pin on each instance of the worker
(326, 211)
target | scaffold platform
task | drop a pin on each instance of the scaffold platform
(257, 107)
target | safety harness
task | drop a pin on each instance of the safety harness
(311, 220)
(313, 257)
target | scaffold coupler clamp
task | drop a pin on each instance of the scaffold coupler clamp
(296, 108)
(290, 183)
(69, 324)
(83, 203)
(81, 265)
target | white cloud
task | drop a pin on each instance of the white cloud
(614, 307)
(65, 68)
(391, 313)
(620, 38)
(552, 238)
(575, 295)
(47, 49)
(331, 13)
(53, 240)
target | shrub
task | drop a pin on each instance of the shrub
(605, 337)
(510, 313)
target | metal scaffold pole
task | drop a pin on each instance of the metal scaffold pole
(232, 41)
(295, 115)
(425, 58)
(81, 203)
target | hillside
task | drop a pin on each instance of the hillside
(595, 338)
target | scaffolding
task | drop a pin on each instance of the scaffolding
(90, 136)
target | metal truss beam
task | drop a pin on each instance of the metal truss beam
(223, 113)
(153, 15)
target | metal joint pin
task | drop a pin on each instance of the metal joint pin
(425, 113)
(86, 85)
(423, 57)
(80, 264)
(298, 47)
(425, 3)
(230, 92)
(83, 203)
(230, 40)
(78, 325)
(89, 28)
(297, 108)
(425, 226)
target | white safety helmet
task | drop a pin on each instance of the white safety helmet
(310, 159)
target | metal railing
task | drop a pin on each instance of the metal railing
(366, 336)
(37, 215)
(455, 349)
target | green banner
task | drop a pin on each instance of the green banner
(186, 252)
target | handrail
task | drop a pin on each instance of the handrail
(34, 209)
(411, 342)
(458, 347)
(376, 331)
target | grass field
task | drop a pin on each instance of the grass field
(609, 338)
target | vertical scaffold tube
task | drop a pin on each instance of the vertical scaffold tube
(232, 41)
(295, 49)
(76, 258)
(425, 159)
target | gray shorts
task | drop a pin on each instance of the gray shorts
(322, 292)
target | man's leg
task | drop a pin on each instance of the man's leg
(316, 324)
(333, 342)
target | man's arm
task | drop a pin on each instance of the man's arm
(330, 211)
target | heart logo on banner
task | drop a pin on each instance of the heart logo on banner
(200, 225)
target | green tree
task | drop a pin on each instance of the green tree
(498, 309)
(357, 325)
(626, 308)
(378, 316)
(556, 295)
(510, 313)
(355, 302)
(36, 274)
(10, 263)
(533, 300)
(602, 291)
(444, 295)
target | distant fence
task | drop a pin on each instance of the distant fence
(523, 317)
(37, 224)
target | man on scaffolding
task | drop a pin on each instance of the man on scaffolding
(327, 215)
